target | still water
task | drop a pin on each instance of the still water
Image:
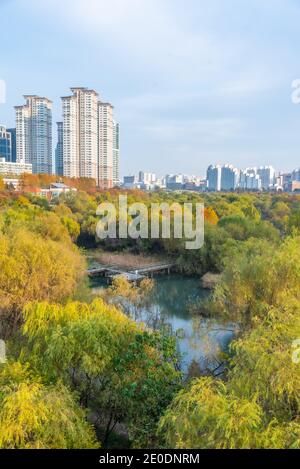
(199, 341)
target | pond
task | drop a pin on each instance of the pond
(199, 340)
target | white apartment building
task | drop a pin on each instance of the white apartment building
(80, 133)
(16, 169)
(229, 178)
(34, 134)
(267, 175)
(116, 156)
(106, 135)
(147, 178)
(59, 153)
(214, 178)
(250, 181)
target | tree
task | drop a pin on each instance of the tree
(255, 278)
(35, 416)
(258, 406)
(211, 216)
(33, 268)
(123, 372)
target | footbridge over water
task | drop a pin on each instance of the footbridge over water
(132, 275)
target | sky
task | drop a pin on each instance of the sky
(193, 82)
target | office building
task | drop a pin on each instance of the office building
(34, 134)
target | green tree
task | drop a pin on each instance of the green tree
(33, 268)
(35, 416)
(258, 406)
(123, 372)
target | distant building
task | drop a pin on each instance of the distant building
(214, 178)
(293, 186)
(286, 179)
(129, 182)
(13, 134)
(147, 178)
(116, 154)
(90, 138)
(5, 144)
(295, 176)
(80, 133)
(105, 145)
(249, 181)
(229, 178)
(267, 175)
(59, 151)
(12, 183)
(16, 169)
(175, 182)
(34, 134)
(56, 189)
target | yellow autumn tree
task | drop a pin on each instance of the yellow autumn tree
(35, 416)
(34, 268)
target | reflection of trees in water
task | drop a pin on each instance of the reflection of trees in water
(201, 340)
(208, 338)
(174, 295)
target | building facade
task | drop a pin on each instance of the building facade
(147, 178)
(229, 178)
(250, 181)
(80, 134)
(13, 134)
(5, 144)
(267, 176)
(16, 169)
(214, 178)
(105, 145)
(34, 134)
(295, 176)
(59, 154)
(116, 154)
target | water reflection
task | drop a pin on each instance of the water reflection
(201, 342)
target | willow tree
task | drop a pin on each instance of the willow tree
(258, 405)
(122, 371)
(34, 268)
(35, 416)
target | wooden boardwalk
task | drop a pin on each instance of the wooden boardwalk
(132, 275)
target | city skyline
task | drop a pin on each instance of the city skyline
(195, 91)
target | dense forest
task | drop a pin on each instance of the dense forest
(80, 373)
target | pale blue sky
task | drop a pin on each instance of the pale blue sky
(193, 82)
